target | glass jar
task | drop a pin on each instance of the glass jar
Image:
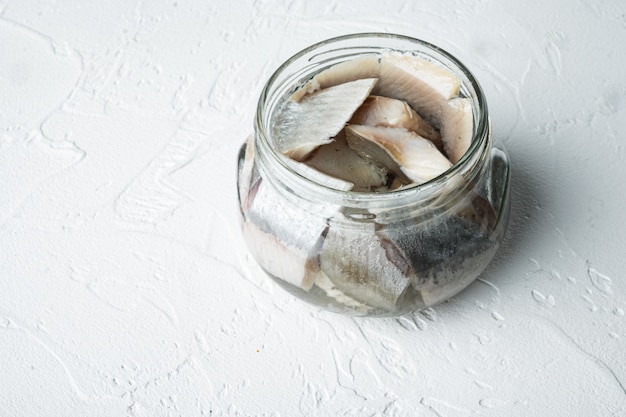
(370, 253)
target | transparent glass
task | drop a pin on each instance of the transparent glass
(368, 253)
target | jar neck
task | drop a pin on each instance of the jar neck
(441, 191)
(444, 190)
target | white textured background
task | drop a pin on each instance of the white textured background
(121, 290)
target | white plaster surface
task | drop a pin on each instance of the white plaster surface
(121, 287)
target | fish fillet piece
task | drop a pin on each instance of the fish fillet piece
(338, 160)
(324, 283)
(424, 85)
(457, 128)
(389, 112)
(284, 240)
(356, 262)
(289, 263)
(320, 177)
(401, 151)
(301, 127)
(365, 66)
(450, 254)
(247, 172)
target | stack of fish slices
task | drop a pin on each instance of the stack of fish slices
(378, 122)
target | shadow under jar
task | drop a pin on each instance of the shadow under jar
(370, 253)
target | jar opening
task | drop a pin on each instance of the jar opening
(305, 64)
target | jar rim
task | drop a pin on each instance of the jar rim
(480, 138)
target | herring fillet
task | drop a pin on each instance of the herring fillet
(406, 152)
(300, 127)
(289, 263)
(338, 160)
(425, 86)
(389, 112)
(470, 247)
(358, 265)
(320, 177)
(365, 66)
(457, 128)
(247, 174)
(284, 240)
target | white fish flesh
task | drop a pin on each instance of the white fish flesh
(320, 177)
(324, 283)
(389, 112)
(284, 240)
(457, 128)
(365, 66)
(338, 160)
(287, 262)
(300, 127)
(401, 151)
(355, 260)
(424, 85)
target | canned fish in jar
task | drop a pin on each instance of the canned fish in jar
(370, 185)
